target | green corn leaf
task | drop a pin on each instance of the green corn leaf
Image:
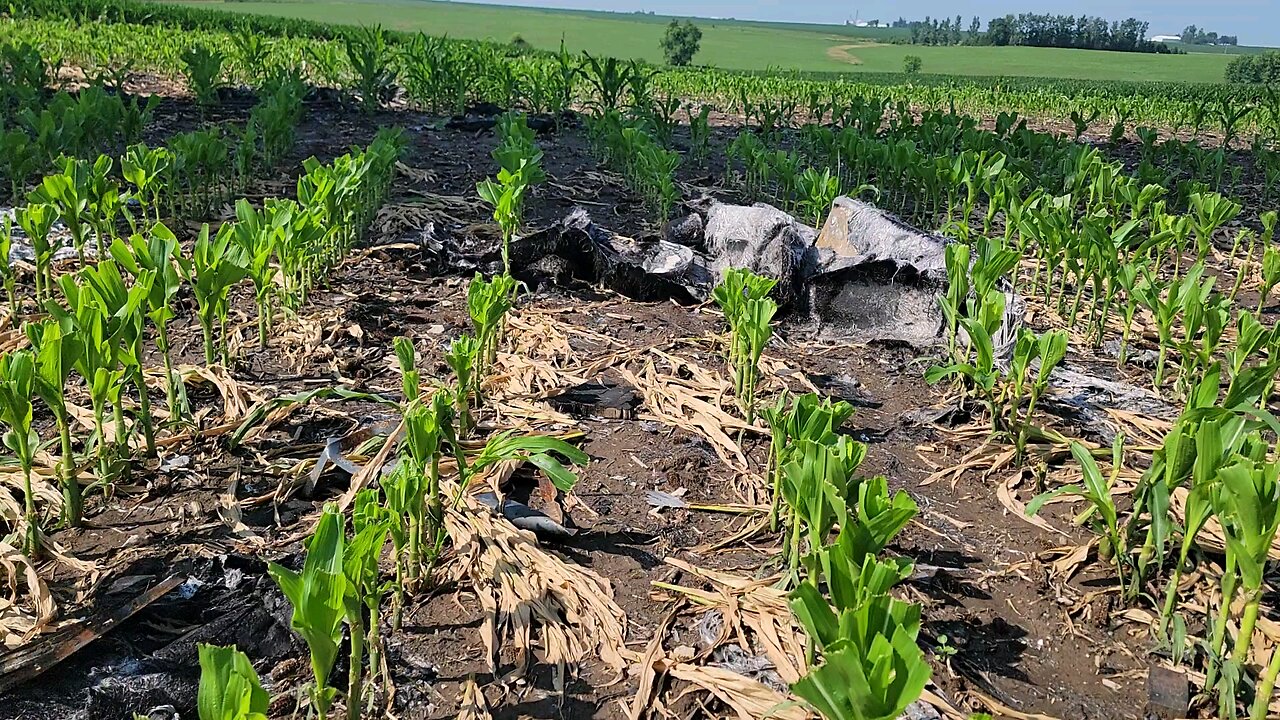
(229, 686)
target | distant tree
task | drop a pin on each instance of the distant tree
(1000, 31)
(519, 41)
(681, 42)
(955, 31)
(975, 30)
(1263, 68)
(912, 64)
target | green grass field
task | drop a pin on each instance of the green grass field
(737, 45)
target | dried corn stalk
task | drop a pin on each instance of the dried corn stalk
(26, 605)
(471, 702)
(526, 592)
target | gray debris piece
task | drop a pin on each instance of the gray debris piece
(1084, 400)
(762, 239)
(872, 276)
(866, 276)
(526, 518)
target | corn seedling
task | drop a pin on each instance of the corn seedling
(17, 388)
(953, 301)
(1248, 507)
(157, 255)
(488, 303)
(1270, 273)
(68, 192)
(462, 358)
(369, 55)
(203, 68)
(229, 686)
(317, 595)
(214, 268)
(743, 297)
(817, 484)
(362, 599)
(1102, 513)
(808, 418)
(125, 306)
(56, 352)
(8, 274)
(410, 378)
(256, 235)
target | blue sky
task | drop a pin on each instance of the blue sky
(1256, 22)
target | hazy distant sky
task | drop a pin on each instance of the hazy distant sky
(1256, 22)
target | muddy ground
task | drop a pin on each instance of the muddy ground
(1018, 634)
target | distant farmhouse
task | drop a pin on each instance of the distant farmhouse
(1166, 38)
(862, 23)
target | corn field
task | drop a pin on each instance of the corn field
(302, 417)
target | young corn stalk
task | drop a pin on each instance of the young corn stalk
(256, 237)
(809, 418)
(317, 595)
(17, 388)
(1102, 513)
(462, 358)
(68, 192)
(56, 352)
(158, 256)
(36, 220)
(214, 268)
(362, 599)
(1248, 508)
(743, 297)
(125, 308)
(8, 274)
(488, 303)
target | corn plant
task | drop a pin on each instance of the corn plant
(743, 297)
(125, 306)
(1166, 303)
(8, 274)
(57, 349)
(37, 221)
(956, 257)
(488, 303)
(410, 378)
(1270, 273)
(1210, 211)
(871, 667)
(1102, 513)
(99, 361)
(818, 190)
(317, 595)
(808, 418)
(979, 368)
(817, 480)
(369, 55)
(362, 599)
(157, 255)
(520, 168)
(540, 451)
(214, 268)
(17, 388)
(1248, 507)
(229, 686)
(462, 358)
(68, 191)
(203, 68)
(256, 236)
(1245, 268)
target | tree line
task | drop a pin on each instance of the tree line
(1037, 30)
(1195, 36)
